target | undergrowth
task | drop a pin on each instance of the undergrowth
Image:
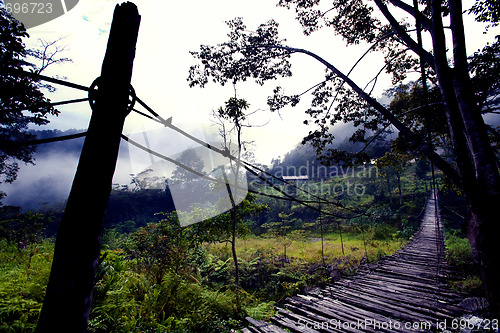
(459, 256)
(24, 276)
(128, 297)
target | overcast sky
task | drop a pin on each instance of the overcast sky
(168, 31)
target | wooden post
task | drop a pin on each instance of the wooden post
(68, 298)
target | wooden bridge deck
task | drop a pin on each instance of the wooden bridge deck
(405, 292)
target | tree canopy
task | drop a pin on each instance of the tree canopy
(264, 56)
(22, 102)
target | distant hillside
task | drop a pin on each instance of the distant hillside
(73, 146)
(303, 160)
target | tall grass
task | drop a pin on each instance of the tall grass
(310, 249)
(459, 256)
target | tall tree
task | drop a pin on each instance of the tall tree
(18, 94)
(192, 160)
(233, 115)
(262, 55)
(396, 163)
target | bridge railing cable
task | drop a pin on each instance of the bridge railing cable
(15, 144)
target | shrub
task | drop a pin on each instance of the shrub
(384, 232)
(22, 285)
(459, 252)
(163, 247)
(459, 256)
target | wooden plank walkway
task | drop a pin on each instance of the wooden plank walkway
(405, 292)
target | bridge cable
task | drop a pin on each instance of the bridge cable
(437, 224)
(14, 144)
(288, 196)
(225, 153)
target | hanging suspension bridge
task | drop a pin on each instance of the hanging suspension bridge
(406, 292)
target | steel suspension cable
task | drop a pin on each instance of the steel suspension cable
(226, 153)
(37, 76)
(14, 144)
(288, 196)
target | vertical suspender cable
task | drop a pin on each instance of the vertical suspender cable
(425, 92)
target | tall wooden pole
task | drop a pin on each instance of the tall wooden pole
(68, 298)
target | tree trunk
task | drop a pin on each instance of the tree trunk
(483, 230)
(398, 176)
(68, 297)
(480, 179)
(235, 259)
(484, 158)
(234, 219)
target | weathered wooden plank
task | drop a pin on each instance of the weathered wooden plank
(402, 289)
(249, 330)
(391, 309)
(409, 287)
(320, 321)
(410, 302)
(408, 277)
(345, 313)
(440, 289)
(339, 316)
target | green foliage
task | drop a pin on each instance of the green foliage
(383, 232)
(21, 101)
(24, 229)
(162, 247)
(409, 104)
(23, 279)
(263, 311)
(193, 293)
(174, 305)
(458, 250)
(129, 210)
(219, 228)
(127, 300)
(234, 110)
(281, 231)
(459, 256)
(486, 11)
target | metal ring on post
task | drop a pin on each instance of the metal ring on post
(131, 103)
(93, 93)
